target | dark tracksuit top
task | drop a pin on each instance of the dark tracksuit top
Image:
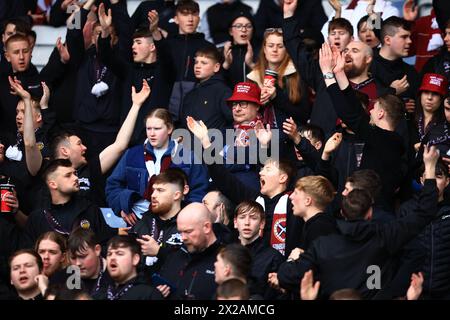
(192, 274)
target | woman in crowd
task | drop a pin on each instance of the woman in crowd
(129, 187)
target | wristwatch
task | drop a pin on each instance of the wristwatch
(328, 75)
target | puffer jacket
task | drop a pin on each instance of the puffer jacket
(128, 182)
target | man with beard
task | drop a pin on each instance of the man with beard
(358, 58)
(121, 262)
(66, 212)
(158, 227)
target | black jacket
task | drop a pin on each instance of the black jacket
(343, 260)
(165, 232)
(437, 63)
(192, 274)
(386, 71)
(429, 252)
(131, 74)
(178, 52)
(165, 9)
(238, 70)
(138, 289)
(319, 225)
(383, 151)
(207, 102)
(265, 260)
(309, 14)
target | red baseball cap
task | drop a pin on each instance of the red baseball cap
(246, 91)
(435, 83)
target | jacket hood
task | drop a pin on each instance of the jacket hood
(253, 76)
(211, 81)
(357, 230)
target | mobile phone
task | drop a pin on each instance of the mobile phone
(158, 280)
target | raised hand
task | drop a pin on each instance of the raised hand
(17, 89)
(327, 61)
(63, 51)
(88, 4)
(45, 97)
(289, 7)
(200, 130)
(290, 129)
(139, 98)
(153, 20)
(401, 85)
(331, 145)
(430, 158)
(65, 4)
(336, 4)
(249, 55)
(415, 288)
(339, 58)
(264, 135)
(370, 7)
(308, 289)
(228, 55)
(105, 19)
(410, 11)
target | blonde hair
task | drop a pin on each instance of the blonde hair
(319, 188)
(293, 81)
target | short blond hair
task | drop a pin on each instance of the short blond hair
(319, 188)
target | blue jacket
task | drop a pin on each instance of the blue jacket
(128, 182)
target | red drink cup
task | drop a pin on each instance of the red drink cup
(270, 77)
(5, 189)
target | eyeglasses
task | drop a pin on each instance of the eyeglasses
(240, 26)
(273, 30)
(242, 104)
